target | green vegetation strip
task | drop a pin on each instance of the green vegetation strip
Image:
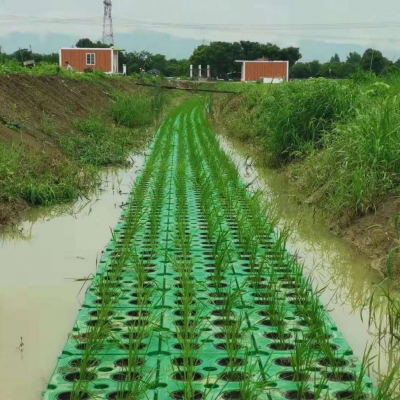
(196, 296)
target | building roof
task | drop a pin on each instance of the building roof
(260, 61)
(117, 48)
(93, 48)
(86, 48)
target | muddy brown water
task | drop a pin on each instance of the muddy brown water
(345, 275)
(40, 261)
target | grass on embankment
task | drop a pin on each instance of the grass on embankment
(340, 140)
(58, 159)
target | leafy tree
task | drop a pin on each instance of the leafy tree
(301, 71)
(177, 67)
(221, 56)
(337, 70)
(335, 59)
(315, 67)
(87, 43)
(305, 70)
(354, 59)
(373, 60)
(291, 54)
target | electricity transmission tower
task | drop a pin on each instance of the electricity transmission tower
(108, 32)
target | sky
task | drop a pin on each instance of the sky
(320, 28)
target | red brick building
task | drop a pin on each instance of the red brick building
(80, 59)
(271, 71)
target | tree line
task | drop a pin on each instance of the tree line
(372, 60)
(222, 57)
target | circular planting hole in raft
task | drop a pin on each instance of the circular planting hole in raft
(127, 377)
(348, 395)
(182, 322)
(76, 376)
(187, 335)
(119, 395)
(276, 336)
(82, 346)
(69, 396)
(224, 322)
(220, 285)
(234, 395)
(231, 362)
(137, 313)
(181, 302)
(291, 376)
(218, 295)
(191, 346)
(235, 376)
(283, 362)
(221, 313)
(223, 335)
(336, 362)
(181, 395)
(180, 313)
(187, 376)
(180, 361)
(282, 346)
(135, 346)
(137, 302)
(97, 313)
(136, 322)
(294, 395)
(124, 362)
(225, 346)
(96, 322)
(258, 286)
(340, 376)
(135, 335)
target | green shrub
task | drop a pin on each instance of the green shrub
(292, 118)
(100, 143)
(133, 112)
(38, 178)
(361, 160)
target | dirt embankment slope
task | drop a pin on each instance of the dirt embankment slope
(30, 106)
(26, 102)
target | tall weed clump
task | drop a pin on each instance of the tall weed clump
(133, 112)
(99, 143)
(361, 160)
(38, 178)
(293, 118)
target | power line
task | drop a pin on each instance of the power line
(130, 22)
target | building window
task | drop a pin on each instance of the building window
(90, 59)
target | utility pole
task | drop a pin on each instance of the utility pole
(108, 32)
